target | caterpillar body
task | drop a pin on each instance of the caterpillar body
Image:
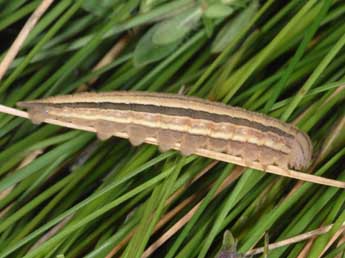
(188, 124)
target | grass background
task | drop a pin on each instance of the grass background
(65, 193)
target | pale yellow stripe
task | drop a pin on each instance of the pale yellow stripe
(170, 126)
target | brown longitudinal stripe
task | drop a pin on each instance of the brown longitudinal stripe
(173, 111)
(167, 100)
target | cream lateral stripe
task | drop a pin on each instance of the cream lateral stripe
(71, 113)
(208, 154)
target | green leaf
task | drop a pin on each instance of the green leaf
(147, 5)
(98, 7)
(176, 28)
(147, 52)
(218, 11)
(234, 27)
(208, 25)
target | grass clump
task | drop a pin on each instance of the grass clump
(63, 193)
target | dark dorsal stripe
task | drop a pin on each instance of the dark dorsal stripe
(171, 111)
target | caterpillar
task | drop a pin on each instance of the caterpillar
(188, 124)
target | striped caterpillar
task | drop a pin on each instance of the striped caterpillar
(188, 124)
